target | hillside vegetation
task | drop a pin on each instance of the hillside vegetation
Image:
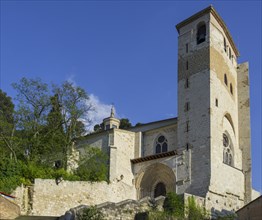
(37, 133)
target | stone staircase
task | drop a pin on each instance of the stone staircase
(125, 210)
(36, 218)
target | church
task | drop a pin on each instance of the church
(204, 151)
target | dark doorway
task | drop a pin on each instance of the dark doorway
(160, 190)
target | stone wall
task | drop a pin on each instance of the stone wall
(99, 140)
(150, 137)
(50, 199)
(122, 150)
(244, 125)
(194, 89)
(8, 209)
(226, 190)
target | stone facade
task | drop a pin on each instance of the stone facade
(8, 209)
(204, 152)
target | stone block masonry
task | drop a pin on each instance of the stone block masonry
(50, 199)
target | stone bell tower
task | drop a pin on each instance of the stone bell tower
(209, 111)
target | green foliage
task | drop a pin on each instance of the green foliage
(6, 108)
(231, 216)
(173, 208)
(41, 130)
(13, 174)
(195, 211)
(125, 123)
(73, 102)
(90, 213)
(93, 166)
(7, 122)
(10, 176)
(99, 127)
(48, 120)
(174, 205)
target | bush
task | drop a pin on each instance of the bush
(93, 167)
(90, 213)
(10, 175)
(13, 174)
(174, 205)
(194, 211)
(228, 217)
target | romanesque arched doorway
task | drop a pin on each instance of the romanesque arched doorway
(155, 180)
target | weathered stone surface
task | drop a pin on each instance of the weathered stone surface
(8, 209)
(126, 209)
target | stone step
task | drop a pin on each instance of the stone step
(24, 217)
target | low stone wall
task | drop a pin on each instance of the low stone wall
(49, 199)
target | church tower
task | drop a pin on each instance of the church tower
(213, 111)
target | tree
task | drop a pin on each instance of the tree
(75, 107)
(93, 165)
(34, 104)
(50, 122)
(7, 125)
(124, 123)
(54, 135)
(99, 127)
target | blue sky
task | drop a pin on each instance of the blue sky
(121, 52)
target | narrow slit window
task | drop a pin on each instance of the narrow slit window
(216, 102)
(187, 48)
(187, 106)
(225, 79)
(187, 83)
(187, 126)
(187, 65)
(231, 88)
(187, 146)
(225, 45)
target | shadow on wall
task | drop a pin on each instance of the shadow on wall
(215, 214)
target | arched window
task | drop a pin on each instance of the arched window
(225, 78)
(161, 144)
(231, 88)
(201, 33)
(228, 153)
(160, 190)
